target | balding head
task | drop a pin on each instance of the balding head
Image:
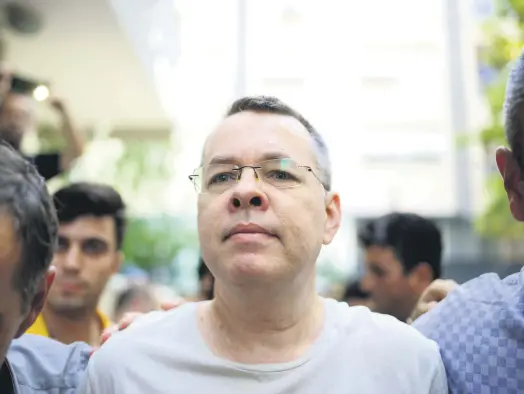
(273, 105)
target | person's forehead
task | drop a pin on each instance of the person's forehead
(380, 255)
(85, 227)
(250, 136)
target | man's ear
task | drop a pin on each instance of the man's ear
(421, 276)
(36, 304)
(333, 217)
(511, 175)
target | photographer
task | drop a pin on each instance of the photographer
(18, 117)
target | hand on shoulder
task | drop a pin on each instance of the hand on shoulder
(434, 293)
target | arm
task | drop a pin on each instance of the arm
(74, 139)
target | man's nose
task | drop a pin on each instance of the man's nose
(72, 258)
(248, 193)
(366, 284)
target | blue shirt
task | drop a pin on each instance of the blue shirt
(39, 365)
(480, 330)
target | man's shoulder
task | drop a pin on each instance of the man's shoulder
(45, 364)
(151, 328)
(481, 298)
(390, 344)
(491, 288)
(478, 328)
(383, 331)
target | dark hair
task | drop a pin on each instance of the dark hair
(414, 239)
(273, 105)
(91, 199)
(353, 290)
(24, 195)
(513, 105)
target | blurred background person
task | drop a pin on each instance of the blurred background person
(136, 298)
(18, 117)
(91, 230)
(402, 254)
(354, 295)
(206, 281)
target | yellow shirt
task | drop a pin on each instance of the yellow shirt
(39, 327)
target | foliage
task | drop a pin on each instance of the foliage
(503, 42)
(155, 241)
(143, 166)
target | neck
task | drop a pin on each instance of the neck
(268, 325)
(84, 327)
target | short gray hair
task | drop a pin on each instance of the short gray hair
(24, 196)
(513, 105)
(272, 105)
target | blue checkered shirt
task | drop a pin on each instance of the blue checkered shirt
(480, 330)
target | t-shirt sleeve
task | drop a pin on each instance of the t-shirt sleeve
(106, 371)
(42, 364)
(439, 384)
(48, 165)
(98, 379)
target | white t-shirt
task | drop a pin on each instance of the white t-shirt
(357, 352)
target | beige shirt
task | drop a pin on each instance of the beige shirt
(357, 352)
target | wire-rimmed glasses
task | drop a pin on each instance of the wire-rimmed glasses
(279, 173)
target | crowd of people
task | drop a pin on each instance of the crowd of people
(266, 207)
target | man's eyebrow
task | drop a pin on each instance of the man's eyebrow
(222, 160)
(234, 160)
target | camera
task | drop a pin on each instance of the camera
(37, 89)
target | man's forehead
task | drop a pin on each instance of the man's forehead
(379, 253)
(258, 136)
(88, 227)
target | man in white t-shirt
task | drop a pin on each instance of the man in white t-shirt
(265, 208)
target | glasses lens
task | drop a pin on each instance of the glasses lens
(282, 173)
(218, 178)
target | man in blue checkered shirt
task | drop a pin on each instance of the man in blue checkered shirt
(479, 326)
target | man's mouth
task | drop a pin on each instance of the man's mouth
(247, 229)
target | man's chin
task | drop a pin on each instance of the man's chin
(68, 308)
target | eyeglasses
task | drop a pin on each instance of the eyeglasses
(280, 173)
